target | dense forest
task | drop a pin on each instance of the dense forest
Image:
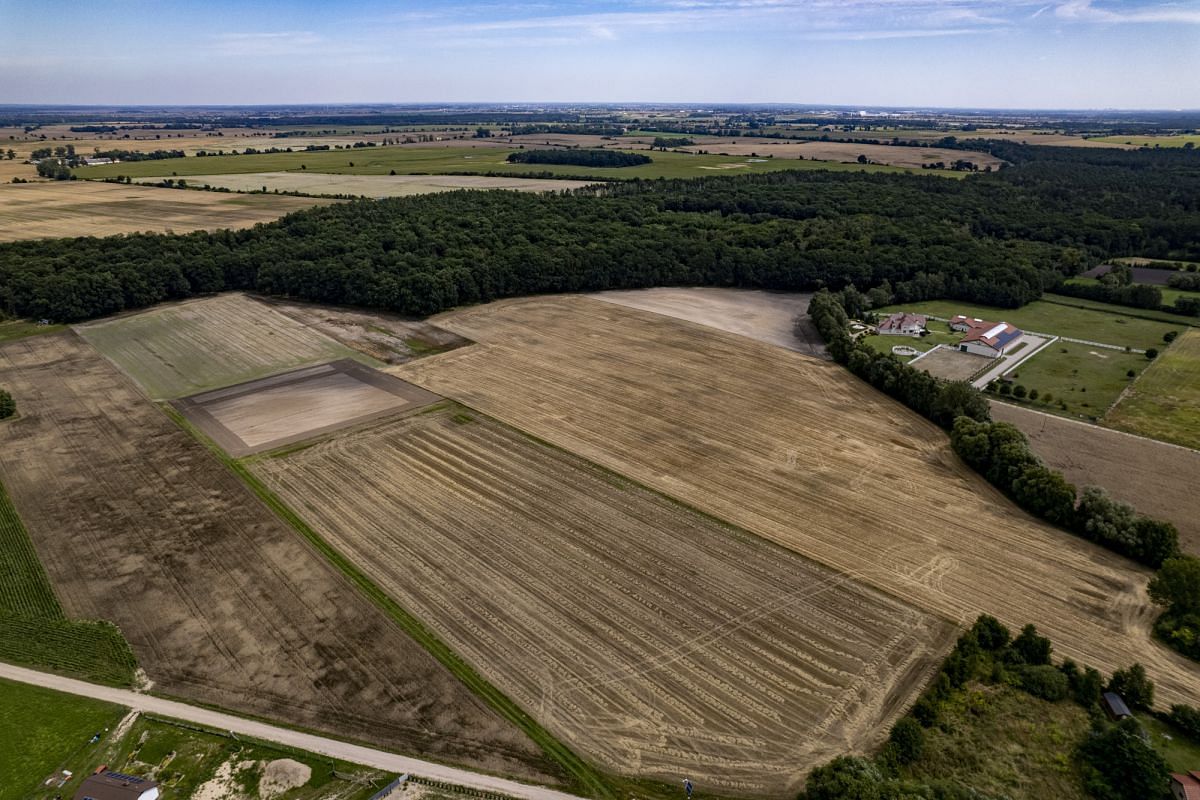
(579, 158)
(999, 238)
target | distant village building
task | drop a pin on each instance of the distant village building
(109, 785)
(902, 324)
(1114, 706)
(992, 339)
(1185, 786)
(96, 162)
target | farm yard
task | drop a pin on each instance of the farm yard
(1164, 403)
(321, 183)
(1081, 380)
(879, 496)
(948, 362)
(299, 405)
(74, 208)
(766, 316)
(650, 638)
(221, 601)
(1156, 478)
(183, 348)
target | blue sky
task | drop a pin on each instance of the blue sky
(1010, 53)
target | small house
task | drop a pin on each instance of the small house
(902, 324)
(1114, 706)
(108, 785)
(961, 322)
(1185, 786)
(993, 342)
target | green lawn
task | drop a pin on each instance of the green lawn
(1164, 403)
(1099, 322)
(1175, 140)
(1182, 754)
(939, 333)
(467, 159)
(42, 730)
(1088, 380)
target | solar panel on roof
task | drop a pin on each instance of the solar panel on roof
(123, 777)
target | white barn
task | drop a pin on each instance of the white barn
(992, 341)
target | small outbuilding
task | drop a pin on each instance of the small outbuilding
(1114, 706)
(902, 324)
(108, 785)
(1185, 785)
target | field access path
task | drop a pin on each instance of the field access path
(215, 720)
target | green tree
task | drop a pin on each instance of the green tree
(907, 740)
(1176, 585)
(1031, 647)
(8, 406)
(1152, 353)
(990, 633)
(1133, 685)
(1019, 392)
(1046, 493)
(1122, 766)
(843, 778)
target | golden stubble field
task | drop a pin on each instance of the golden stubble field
(223, 603)
(800, 452)
(652, 639)
(84, 208)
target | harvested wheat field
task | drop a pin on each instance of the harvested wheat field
(802, 453)
(766, 316)
(84, 208)
(1158, 479)
(299, 405)
(318, 183)
(652, 639)
(184, 348)
(893, 155)
(136, 522)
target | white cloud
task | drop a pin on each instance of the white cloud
(1087, 11)
(270, 43)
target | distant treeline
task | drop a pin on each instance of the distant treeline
(579, 158)
(998, 239)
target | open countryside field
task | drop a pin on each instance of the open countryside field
(184, 348)
(766, 316)
(72, 208)
(1084, 381)
(472, 159)
(1099, 322)
(653, 639)
(1164, 403)
(221, 601)
(39, 730)
(321, 183)
(1172, 140)
(892, 155)
(809, 458)
(1156, 478)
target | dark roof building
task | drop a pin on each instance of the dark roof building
(109, 785)
(1114, 706)
(1185, 786)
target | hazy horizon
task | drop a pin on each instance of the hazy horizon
(924, 54)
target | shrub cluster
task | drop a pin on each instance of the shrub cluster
(8, 406)
(579, 158)
(1177, 588)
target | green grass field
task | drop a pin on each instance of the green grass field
(20, 328)
(467, 159)
(1176, 140)
(1169, 295)
(1098, 322)
(34, 632)
(1087, 380)
(1002, 741)
(1164, 403)
(939, 333)
(41, 732)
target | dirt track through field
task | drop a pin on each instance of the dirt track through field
(319, 183)
(650, 638)
(136, 522)
(802, 453)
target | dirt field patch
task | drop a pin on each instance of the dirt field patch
(137, 522)
(1164, 402)
(951, 363)
(766, 316)
(1156, 478)
(298, 405)
(893, 155)
(373, 185)
(184, 348)
(84, 208)
(804, 454)
(650, 638)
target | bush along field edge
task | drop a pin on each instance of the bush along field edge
(1001, 454)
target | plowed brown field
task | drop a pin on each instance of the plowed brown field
(653, 639)
(136, 522)
(805, 455)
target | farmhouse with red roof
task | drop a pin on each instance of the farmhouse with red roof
(1185, 786)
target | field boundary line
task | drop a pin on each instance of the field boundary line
(578, 771)
(1132, 312)
(1098, 425)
